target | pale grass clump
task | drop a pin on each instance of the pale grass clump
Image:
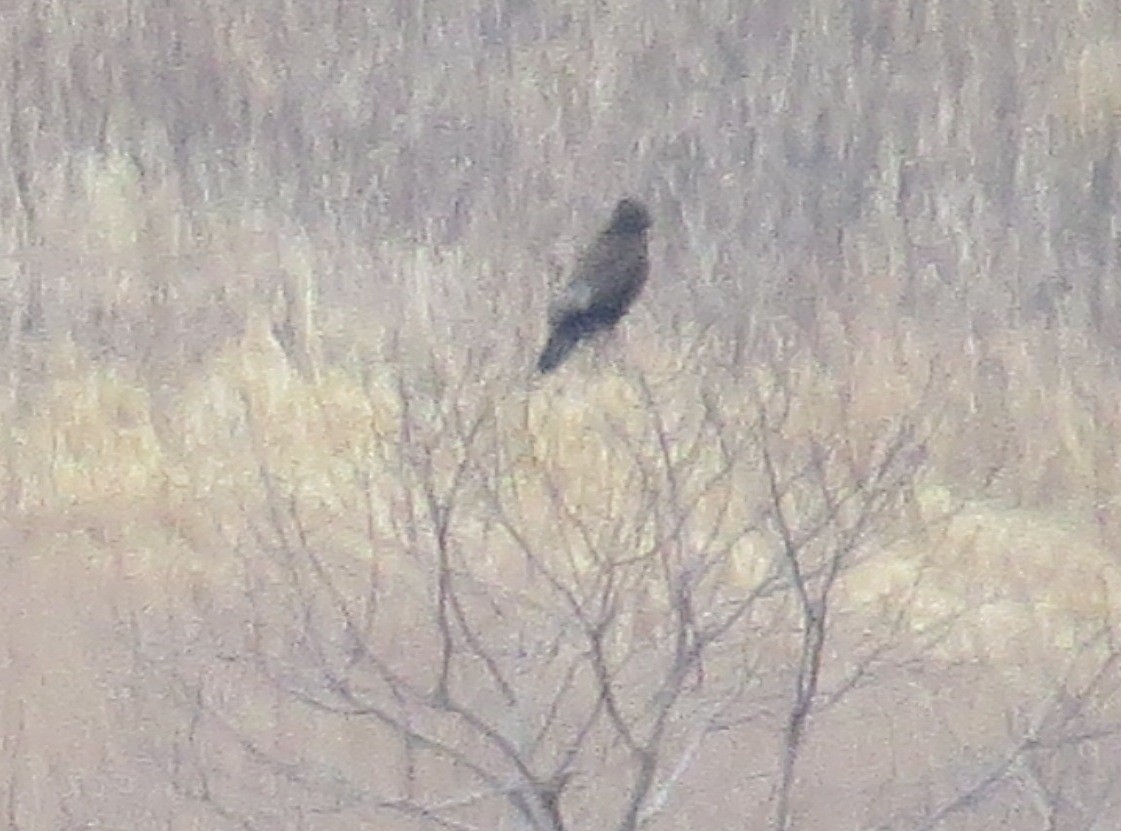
(89, 442)
(614, 444)
(1025, 408)
(1017, 588)
(251, 412)
(1005, 565)
(589, 448)
(1006, 412)
(87, 439)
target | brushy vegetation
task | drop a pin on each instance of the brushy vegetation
(275, 250)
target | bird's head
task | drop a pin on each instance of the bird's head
(630, 217)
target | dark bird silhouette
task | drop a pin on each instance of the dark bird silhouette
(608, 277)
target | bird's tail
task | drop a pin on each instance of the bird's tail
(561, 341)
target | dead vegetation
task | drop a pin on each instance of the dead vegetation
(826, 537)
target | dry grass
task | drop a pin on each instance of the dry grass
(260, 251)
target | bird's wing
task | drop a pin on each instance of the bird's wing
(576, 297)
(595, 274)
(609, 273)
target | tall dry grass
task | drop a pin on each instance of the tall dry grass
(298, 238)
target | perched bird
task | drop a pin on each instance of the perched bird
(608, 277)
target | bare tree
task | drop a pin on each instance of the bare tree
(520, 645)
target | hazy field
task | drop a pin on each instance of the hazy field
(824, 537)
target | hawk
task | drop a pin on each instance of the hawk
(608, 278)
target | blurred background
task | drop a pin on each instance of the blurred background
(232, 231)
(938, 172)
